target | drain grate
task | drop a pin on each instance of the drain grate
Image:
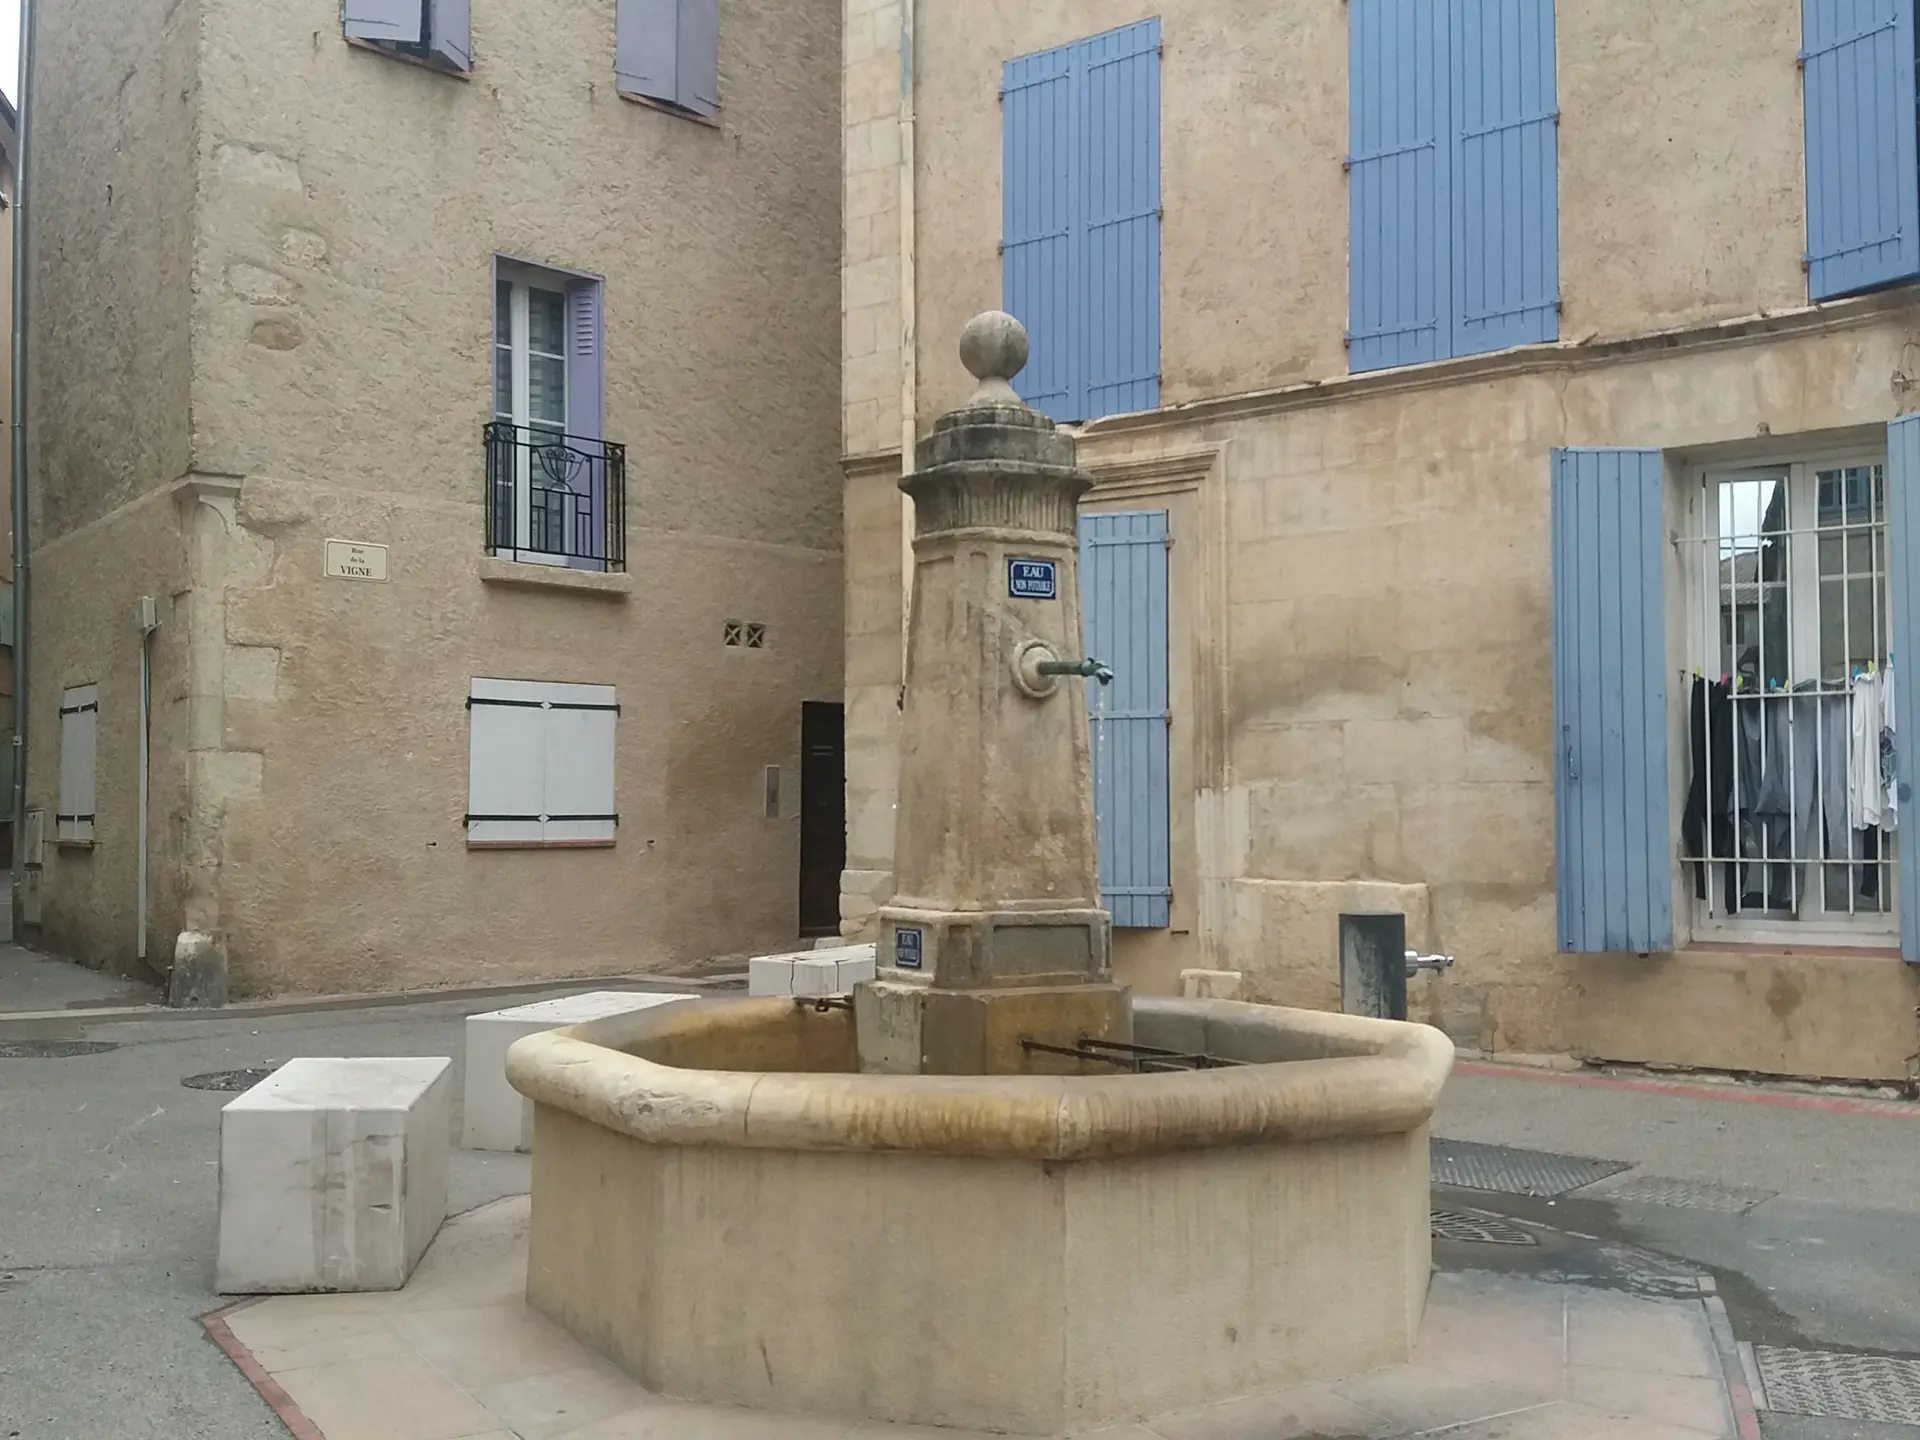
(231, 1081)
(1506, 1171)
(1476, 1227)
(53, 1049)
(1835, 1385)
(1685, 1194)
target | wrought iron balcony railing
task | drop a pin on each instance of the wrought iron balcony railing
(556, 499)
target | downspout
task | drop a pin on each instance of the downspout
(22, 245)
(909, 328)
(147, 618)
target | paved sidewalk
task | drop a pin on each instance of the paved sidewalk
(459, 1354)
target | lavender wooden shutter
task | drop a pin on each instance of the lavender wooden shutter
(1123, 595)
(451, 30)
(1613, 850)
(697, 80)
(1399, 169)
(1903, 566)
(1863, 198)
(586, 399)
(1036, 274)
(646, 41)
(395, 22)
(1505, 176)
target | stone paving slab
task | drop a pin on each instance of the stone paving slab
(458, 1355)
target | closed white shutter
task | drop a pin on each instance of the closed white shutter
(79, 727)
(540, 764)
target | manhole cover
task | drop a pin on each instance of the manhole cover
(53, 1049)
(1834, 1385)
(1468, 1166)
(1477, 1228)
(233, 1081)
(1685, 1194)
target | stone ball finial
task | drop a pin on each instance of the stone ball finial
(993, 347)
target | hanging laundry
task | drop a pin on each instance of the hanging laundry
(1889, 782)
(1866, 792)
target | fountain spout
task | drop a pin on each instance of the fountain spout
(1088, 669)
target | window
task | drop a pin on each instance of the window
(669, 51)
(1783, 729)
(1452, 167)
(1786, 570)
(1080, 227)
(1863, 177)
(554, 485)
(437, 32)
(1123, 589)
(540, 764)
(79, 724)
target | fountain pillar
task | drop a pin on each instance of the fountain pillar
(995, 933)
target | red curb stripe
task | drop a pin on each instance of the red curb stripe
(1746, 1417)
(1782, 1100)
(278, 1401)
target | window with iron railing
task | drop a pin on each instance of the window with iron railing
(556, 488)
(1791, 820)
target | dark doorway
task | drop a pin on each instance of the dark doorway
(823, 816)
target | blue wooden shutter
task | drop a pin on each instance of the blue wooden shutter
(1863, 180)
(585, 410)
(1399, 213)
(1123, 598)
(1903, 651)
(1119, 104)
(697, 76)
(646, 41)
(452, 34)
(1505, 176)
(1080, 226)
(395, 22)
(1613, 850)
(1036, 275)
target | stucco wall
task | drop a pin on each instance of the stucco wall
(350, 206)
(1682, 191)
(1377, 630)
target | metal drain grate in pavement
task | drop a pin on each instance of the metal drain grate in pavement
(53, 1049)
(229, 1081)
(1476, 1227)
(1685, 1194)
(1470, 1166)
(1831, 1384)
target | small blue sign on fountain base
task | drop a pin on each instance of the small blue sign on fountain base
(1033, 580)
(908, 948)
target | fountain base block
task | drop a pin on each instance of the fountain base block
(915, 1029)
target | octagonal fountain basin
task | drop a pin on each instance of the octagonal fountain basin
(725, 1209)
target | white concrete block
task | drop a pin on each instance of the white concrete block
(333, 1175)
(498, 1117)
(832, 970)
(1210, 984)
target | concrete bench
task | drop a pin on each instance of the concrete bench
(498, 1117)
(810, 972)
(333, 1175)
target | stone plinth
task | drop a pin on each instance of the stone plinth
(1025, 1253)
(496, 1117)
(333, 1175)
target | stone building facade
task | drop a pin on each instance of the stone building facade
(1463, 387)
(348, 318)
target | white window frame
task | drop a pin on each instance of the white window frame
(74, 819)
(541, 759)
(1701, 629)
(521, 280)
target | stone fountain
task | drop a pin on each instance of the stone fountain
(994, 1191)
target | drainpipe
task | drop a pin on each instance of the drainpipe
(909, 327)
(22, 230)
(147, 617)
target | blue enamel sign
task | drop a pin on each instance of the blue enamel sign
(906, 949)
(1032, 580)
